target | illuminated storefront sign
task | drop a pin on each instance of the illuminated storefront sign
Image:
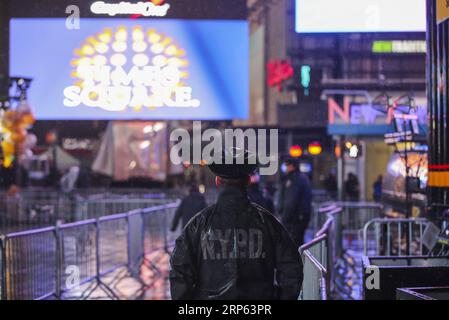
(154, 8)
(399, 46)
(366, 119)
(128, 69)
(152, 78)
(363, 113)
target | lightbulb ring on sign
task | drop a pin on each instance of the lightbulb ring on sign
(138, 75)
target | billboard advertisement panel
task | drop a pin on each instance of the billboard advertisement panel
(347, 16)
(123, 69)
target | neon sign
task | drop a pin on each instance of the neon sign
(137, 68)
(153, 8)
(366, 114)
(278, 73)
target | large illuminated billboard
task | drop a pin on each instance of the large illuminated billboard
(348, 16)
(133, 68)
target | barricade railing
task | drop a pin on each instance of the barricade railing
(37, 209)
(2, 266)
(394, 237)
(29, 265)
(318, 257)
(80, 259)
(349, 223)
(315, 283)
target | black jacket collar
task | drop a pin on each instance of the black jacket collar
(232, 197)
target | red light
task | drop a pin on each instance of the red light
(337, 151)
(278, 73)
(296, 152)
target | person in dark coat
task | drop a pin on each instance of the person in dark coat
(377, 189)
(295, 202)
(331, 186)
(190, 205)
(352, 188)
(256, 195)
(235, 249)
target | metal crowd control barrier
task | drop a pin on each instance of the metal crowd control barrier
(389, 237)
(79, 259)
(349, 223)
(318, 257)
(343, 236)
(315, 273)
(29, 265)
(33, 209)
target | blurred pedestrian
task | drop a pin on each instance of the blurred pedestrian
(190, 205)
(235, 249)
(255, 194)
(51, 139)
(377, 189)
(295, 201)
(330, 185)
(352, 188)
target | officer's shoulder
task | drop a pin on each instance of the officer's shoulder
(264, 213)
(200, 217)
(273, 221)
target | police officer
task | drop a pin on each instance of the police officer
(295, 201)
(235, 249)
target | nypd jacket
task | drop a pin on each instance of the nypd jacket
(235, 250)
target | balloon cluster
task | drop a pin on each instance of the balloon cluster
(14, 124)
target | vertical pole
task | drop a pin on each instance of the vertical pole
(4, 47)
(340, 168)
(407, 194)
(266, 97)
(2, 269)
(289, 139)
(128, 245)
(165, 233)
(97, 250)
(167, 145)
(59, 260)
(5, 174)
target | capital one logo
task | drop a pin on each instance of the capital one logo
(128, 68)
(151, 8)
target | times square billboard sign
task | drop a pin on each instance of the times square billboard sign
(182, 66)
